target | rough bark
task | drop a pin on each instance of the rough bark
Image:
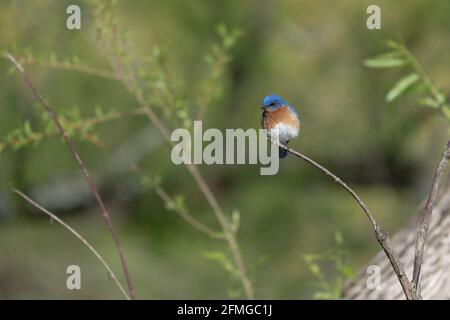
(435, 276)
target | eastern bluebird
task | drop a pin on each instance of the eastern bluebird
(281, 117)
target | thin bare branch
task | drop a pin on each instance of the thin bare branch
(426, 215)
(82, 166)
(76, 234)
(380, 233)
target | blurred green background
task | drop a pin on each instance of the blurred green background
(310, 52)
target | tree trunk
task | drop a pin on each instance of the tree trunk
(435, 275)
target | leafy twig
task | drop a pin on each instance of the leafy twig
(417, 80)
(217, 59)
(82, 166)
(77, 128)
(67, 66)
(119, 58)
(184, 214)
(212, 201)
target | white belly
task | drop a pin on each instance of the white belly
(284, 132)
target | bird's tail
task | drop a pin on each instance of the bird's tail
(282, 153)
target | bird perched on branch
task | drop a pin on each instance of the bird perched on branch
(280, 118)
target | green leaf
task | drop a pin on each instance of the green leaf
(27, 128)
(235, 221)
(347, 271)
(429, 102)
(393, 44)
(420, 88)
(441, 98)
(388, 55)
(314, 268)
(222, 30)
(223, 260)
(401, 86)
(446, 112)
(386, 60)
(179, 202)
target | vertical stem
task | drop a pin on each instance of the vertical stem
(426, 215)
(132, 86)
(230, 237)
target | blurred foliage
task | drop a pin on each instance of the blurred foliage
(327, 288)
(216, 61)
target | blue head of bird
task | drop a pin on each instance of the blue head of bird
(273, 102)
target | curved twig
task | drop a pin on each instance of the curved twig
(380, 234)
(76, 234)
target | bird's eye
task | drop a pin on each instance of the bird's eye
(272, 104)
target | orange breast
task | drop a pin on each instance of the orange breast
(280, 115)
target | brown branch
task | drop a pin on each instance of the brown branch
(76, 234)
(426, 215)
(83, 168)
(212, 201)
(126, 76)
(380, 234)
